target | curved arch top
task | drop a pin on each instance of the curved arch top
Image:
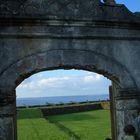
(66, 59)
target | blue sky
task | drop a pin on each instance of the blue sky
(68, 82)
(132, 5)
(63, 83)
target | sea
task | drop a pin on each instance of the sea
(21, 102)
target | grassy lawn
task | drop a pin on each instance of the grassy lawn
(91, 125)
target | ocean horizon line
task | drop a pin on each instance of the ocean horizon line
(63, 96)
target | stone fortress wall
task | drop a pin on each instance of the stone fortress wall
(70, 34)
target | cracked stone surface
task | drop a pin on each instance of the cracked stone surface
(70, 34)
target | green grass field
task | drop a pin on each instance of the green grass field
(91, 125)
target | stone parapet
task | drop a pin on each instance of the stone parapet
(66, 9)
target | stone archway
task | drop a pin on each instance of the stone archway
(76, 37)
(66, 59)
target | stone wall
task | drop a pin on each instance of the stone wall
(70, 34)
(70, 109)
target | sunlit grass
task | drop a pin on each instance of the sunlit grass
(91, 125)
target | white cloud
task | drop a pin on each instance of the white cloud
(77, 84)
(98, 77)
(48, 82)
(92, 77)
(89, 78)
(53, 82)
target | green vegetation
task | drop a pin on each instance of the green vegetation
(91, 125)
(48, 105)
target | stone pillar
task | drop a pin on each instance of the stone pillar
(127, 110)
(114, 92)
(112, 112)
(8, 116)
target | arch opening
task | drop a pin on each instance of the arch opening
(88, 78)
(92, 61)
